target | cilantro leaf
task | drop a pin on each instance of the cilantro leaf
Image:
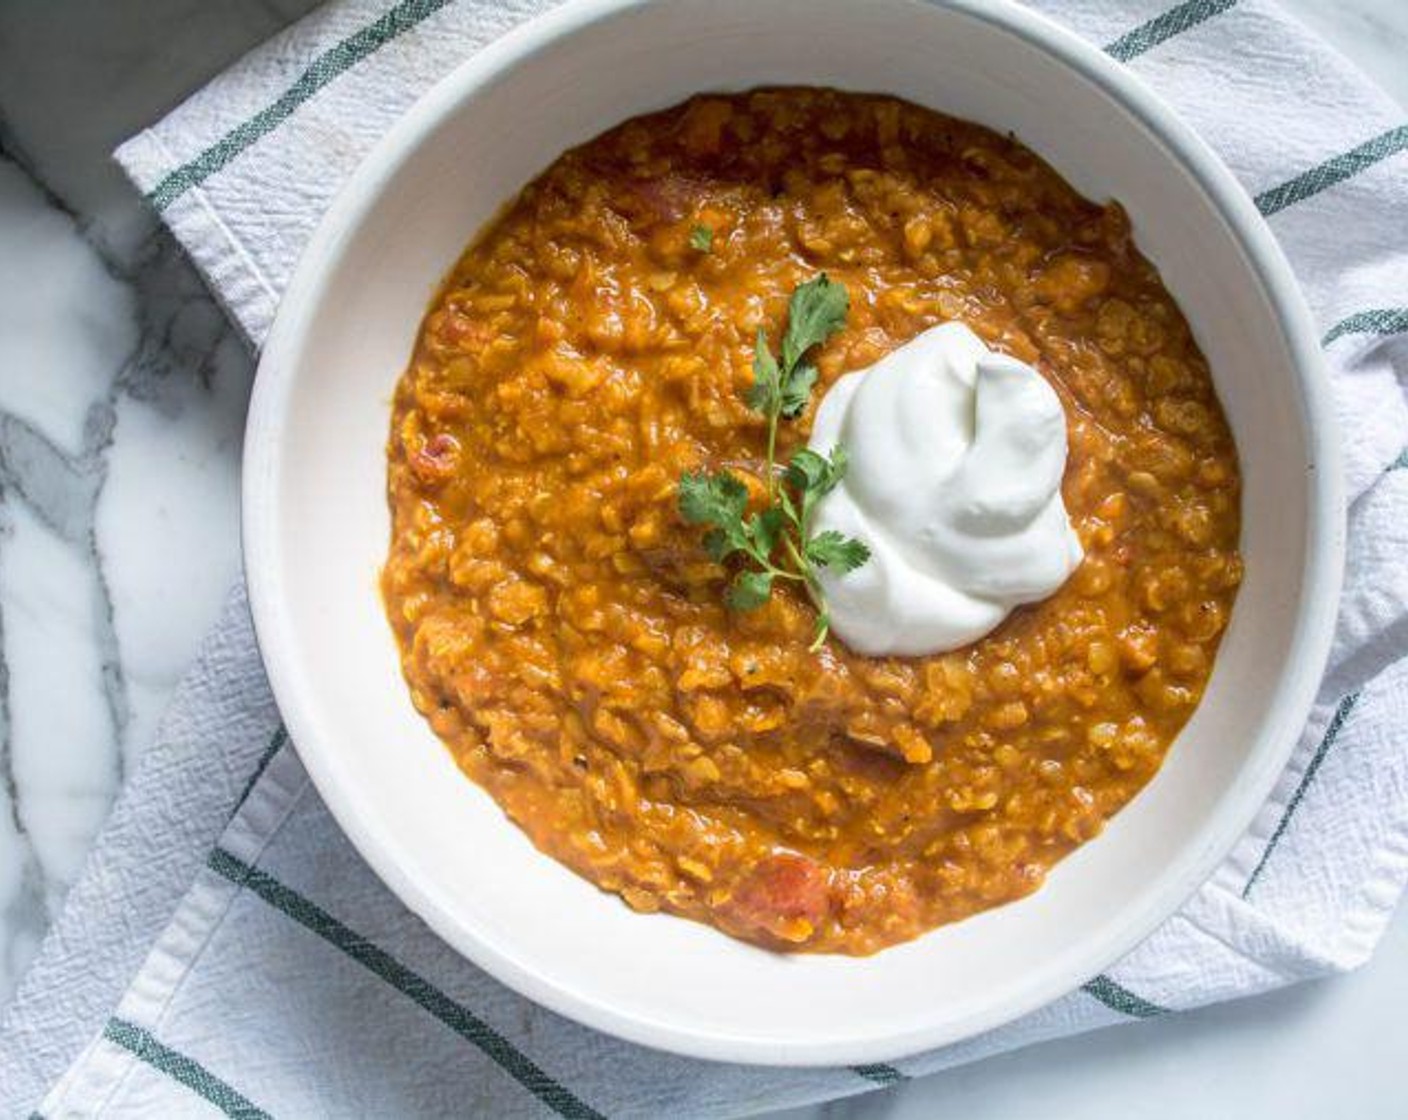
(814, 476)
(712, 499)
(807, 471)
(749, 590)
(797, 389)
(701, 238)
(720, 544)
(789, 508)
(766, 393)
(836, 551)
(839, 462)
(816, 312)
(781, 388)
(765, 528)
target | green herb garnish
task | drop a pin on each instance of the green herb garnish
(701, 238)
(776, 543)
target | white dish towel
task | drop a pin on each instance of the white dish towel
(227, 951)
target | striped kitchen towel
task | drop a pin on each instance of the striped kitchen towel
(227, 951)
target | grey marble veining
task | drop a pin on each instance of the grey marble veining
(122, 395)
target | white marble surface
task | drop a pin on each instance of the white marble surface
(122, 397)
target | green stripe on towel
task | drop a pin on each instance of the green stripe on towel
(189, 1072)
(880, 1073)
(406, 15)
(1337, 722)
(1336, 170)
(1119, 998)
(322, 70)
(380, 963)
(277, 740)
(1382, 320)
(1162, 28)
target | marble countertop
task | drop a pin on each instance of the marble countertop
(122, 396)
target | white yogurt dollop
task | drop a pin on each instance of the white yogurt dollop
(956, 457)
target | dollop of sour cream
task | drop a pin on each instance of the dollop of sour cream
(956, 457)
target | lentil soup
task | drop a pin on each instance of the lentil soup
(565, 634)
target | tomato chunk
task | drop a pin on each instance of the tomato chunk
(437, 459)
(785, 895)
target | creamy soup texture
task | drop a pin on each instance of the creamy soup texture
(565, 634)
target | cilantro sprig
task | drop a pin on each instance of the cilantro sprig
(776, 543)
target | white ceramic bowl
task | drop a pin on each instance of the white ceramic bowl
(316, 522)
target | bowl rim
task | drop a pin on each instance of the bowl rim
(1322, 567)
